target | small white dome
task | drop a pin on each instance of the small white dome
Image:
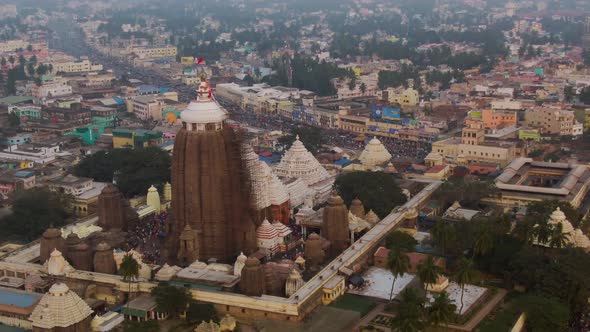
(206, 111)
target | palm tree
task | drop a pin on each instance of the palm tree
(11, 59)
(3, 62)
(443, 234)
(525, 231)
(129, 270)
(442, 310)
(464, 275)
(363, 88)
(484, 240)
(428, 272)
(409, 317)
(398, 263)
(543, 232)
(559, 238)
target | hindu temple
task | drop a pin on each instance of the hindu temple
(209, 188)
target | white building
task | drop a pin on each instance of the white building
(80, 66)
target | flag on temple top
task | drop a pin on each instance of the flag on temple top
(199, 61)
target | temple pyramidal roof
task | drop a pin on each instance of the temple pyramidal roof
(374, 153)
(298, 162)
(60, 307)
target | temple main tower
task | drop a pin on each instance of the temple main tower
(209, 190)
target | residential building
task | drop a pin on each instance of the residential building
(408, 97)
(473, 147)
(13, 45)
(135, 138)
(551, 121)
(497, 119)
(26, 112)
(154, 52)
(55, 87)
(36, 153)
(80, 66)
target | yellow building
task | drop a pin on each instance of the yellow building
(155, 52)
(472, 147)
(187, 60)
(409, 97)
(75, 66)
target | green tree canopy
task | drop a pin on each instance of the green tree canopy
(544, 314)
(199, 312)
(377, 190)
(171, 299)
(33, 211)
(410, 315)
(311, 137)
(400, 240)
(134, 170)
(468, 193)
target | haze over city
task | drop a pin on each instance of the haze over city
(294, 165)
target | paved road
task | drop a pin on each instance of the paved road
(69, 38)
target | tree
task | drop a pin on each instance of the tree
(312, 138)
(464, 274)
(352, 83)
(199, 312)
(484, 239)
(33, 211)
(31, 69)
(544, 313)
(410, 315)
(398, 263)
(11, 59)
(559, 239)
(569, 93)
(147, 326)
(585, 95)
(21, 60)
(443, 235)
(441, 311)
(363, 88)
(401, 241)
(3, 62)
(30, 48)
(467, 192)
(377, 190)
(428, 272)
(134, 170)
(13, 120)
(129, 270)
(171, 299)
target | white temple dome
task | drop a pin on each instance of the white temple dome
(205, 109)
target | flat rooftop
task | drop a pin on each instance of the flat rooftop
(18, 298)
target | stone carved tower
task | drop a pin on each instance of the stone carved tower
(209, 191)
(51, 240)
(111, 214)
(252, 282)
(189, 246)
(335, 225)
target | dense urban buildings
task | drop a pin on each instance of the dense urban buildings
(295, 166)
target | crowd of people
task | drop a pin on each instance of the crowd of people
(147, 237)
(333, 137)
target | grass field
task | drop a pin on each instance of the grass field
(360, 304)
